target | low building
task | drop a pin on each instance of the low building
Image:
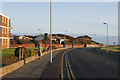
(84, 38)
(39, 38)
(5, 31)
(23, 37)
(59, 38)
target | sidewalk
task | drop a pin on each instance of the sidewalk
(33, 69)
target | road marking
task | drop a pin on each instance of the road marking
(70, 69)
(67, 68)
(62, 76)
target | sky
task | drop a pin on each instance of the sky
(75, 17)
(85, 18)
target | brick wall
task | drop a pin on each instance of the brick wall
(23, 45)
(0, 31)
(76, 45)
(0, 43)
(47, 45)
(60, 45)
(69, 45)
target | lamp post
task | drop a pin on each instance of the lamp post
(51, 31)
(65, 34)
(39, 30)
(107, 37)
(95, 36)
(39, 47)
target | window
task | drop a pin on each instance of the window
(8, 23)
(5, 31)
(8, 34)
(2, 19)
(5, 41)
(5, 20)
(2, 42)
(2, 30)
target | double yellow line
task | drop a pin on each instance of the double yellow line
(68, 66)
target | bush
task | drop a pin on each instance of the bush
(32, 52)
(9, 60)
(25, 52)
(53, 47)
(44, 49)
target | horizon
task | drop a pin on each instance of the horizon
(100, 38)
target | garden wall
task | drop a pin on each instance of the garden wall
(94, 45)
(76, 45)
(56, 45)
(23, 45)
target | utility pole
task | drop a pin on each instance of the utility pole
(51, 31)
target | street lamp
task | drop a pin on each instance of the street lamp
(51, 31)
(95, 36)
(39, 30)
(107, 36)
(65, 34)
(39, 47)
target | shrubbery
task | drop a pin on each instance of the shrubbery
(25, 52)
(9, 60)
(32, 52)
(53, 47)
(44, 49)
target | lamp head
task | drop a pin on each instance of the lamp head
(104, 23)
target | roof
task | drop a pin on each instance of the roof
(4, 15)
(84, 36)
(67, 36)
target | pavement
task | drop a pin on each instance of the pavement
(34, 69)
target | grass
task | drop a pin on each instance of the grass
(10, 52)
(113, 48)
(35, 49)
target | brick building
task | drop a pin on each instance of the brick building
(4, 31)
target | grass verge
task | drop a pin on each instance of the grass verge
(113, 48)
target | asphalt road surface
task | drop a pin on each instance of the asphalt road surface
(91, 63)
(78, 63)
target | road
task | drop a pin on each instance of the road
(78, 63)
(87, 63)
